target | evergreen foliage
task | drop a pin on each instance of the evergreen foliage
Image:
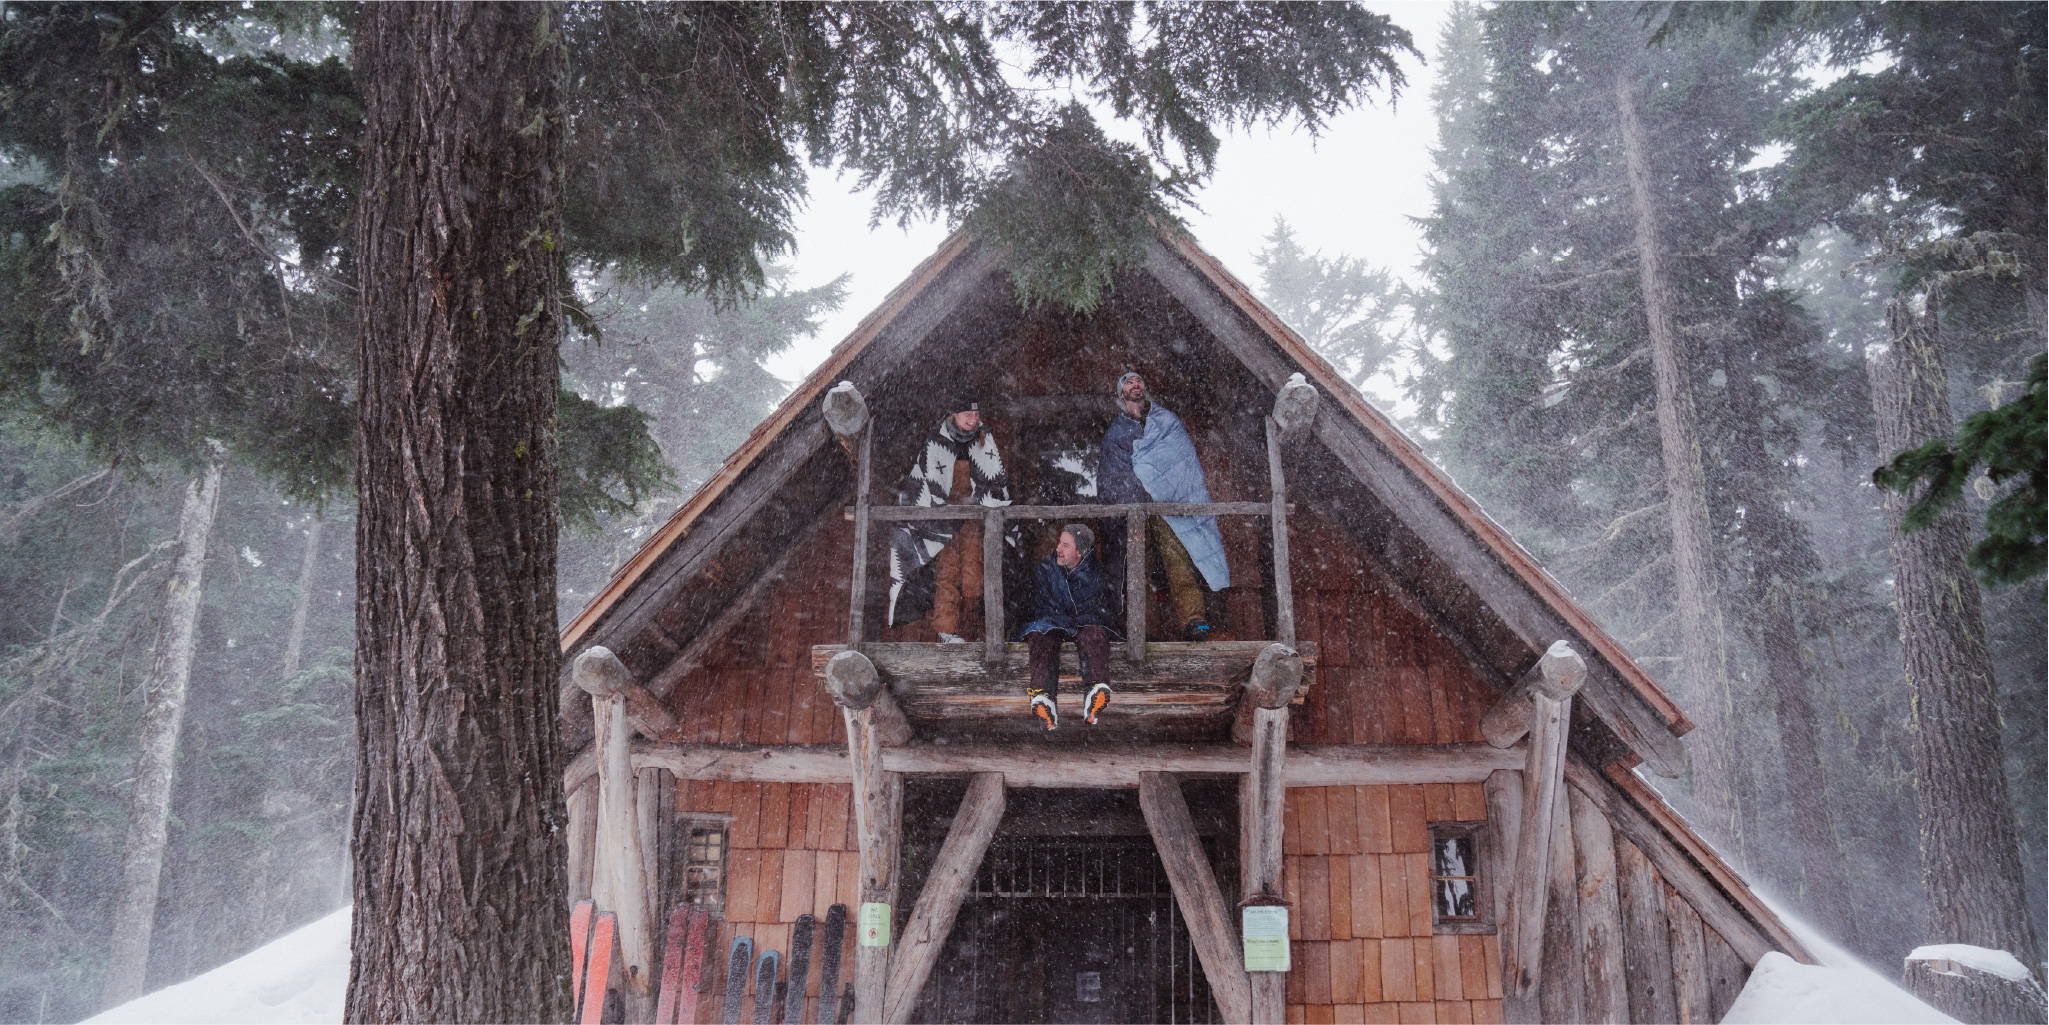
(1343, 308)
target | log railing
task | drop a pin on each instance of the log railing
(846, 413)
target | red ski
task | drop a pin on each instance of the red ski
(579, 945)
(673, 993)
(698, 938)
(603, 969)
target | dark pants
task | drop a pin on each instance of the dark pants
(1094, 645)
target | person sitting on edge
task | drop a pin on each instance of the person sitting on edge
(935, 565)
(1147, 457)
(1071, 600)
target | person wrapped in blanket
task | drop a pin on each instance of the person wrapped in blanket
(935, 566)
(1071, 600)
(1147, 456)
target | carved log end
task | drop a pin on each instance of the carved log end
(1275, 675)
(852, 680)
(1295, 406)
(1561, 670)
(846, 411)
(599, 672)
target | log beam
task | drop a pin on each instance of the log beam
(981, 810)
(601, 675)
(1543, 783)
(1108, 766)
(1509, 720)
(1210, 924)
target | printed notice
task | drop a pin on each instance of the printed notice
(1266, 939)
(875, 924)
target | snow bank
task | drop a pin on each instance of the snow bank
(1994, 962)
(299, 978)
(1782, 991)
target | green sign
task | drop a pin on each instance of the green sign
(1266, 938)
(874, 924)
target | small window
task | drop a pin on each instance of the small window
(704, 866)
(1458, 891)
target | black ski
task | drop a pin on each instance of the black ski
(737, 964)
(800, 969)
(846, 1006)
(829, 963)
(764, 986)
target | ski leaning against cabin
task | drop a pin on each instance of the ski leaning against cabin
(1398, 736)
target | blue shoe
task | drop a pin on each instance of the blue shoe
(1196, 630)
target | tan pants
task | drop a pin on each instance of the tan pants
(957, 583)
(1184, 583)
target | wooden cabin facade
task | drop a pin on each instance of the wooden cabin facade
(1404, 732)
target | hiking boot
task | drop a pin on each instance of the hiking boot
(1042, 706)
(1098, 699)
(952, 639)
(1196, 630)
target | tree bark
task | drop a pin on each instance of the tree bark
(163, 716)
(1970, 850)
(1703, 671)
(295, 637)
(459, 857)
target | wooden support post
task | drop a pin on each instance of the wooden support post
(583, 836)
(878, 823)
(1211, 925)
(1561, 994)
(981, 810)
(853, 681)
(654, 793)
(1262, 824)
(619, 882)
(1600, 913)
(1137, 591)
(1647, 951)
(1284, 585)
(992, 586)
(857, 595)
(1543, 782)
(1509, 719)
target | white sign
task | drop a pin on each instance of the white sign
(1266, 938)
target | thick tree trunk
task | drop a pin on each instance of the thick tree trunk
(1970, 852)
(459, 861)
(1703, 669)
(295, 636)
(163, 715)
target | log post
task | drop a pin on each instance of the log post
(618, 862)
(583, 836)
(1269, 689)
(1600, 913)
(1137, 591)
(992, 586)
(1543, 783)
(1210, 925)
(846, 414)
(981, 810)
(857, 591)
(1294, 411)
(878, 821)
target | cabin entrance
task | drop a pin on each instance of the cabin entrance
(1071, 919)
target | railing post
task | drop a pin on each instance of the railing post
(1284, 584)
(857, 596)
(1136, 592)
(992, 585)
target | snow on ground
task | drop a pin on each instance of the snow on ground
(1997, 962)
(299, 978)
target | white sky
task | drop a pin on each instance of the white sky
(1351, 192)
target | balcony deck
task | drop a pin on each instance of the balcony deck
(1181, 691)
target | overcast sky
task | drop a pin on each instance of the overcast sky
(1351, 192)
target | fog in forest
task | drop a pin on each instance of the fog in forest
(1471, 258)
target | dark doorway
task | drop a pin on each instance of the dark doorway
(1072, 928)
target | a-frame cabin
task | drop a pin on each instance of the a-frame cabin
(1405, 732)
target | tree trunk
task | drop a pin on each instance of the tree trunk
(459, 861)
(1703, 671)
(295, 637)
(142, 855)
(1970, 851)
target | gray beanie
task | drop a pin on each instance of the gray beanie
(1084, 538)
(1121, 378)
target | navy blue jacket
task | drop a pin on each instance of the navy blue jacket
(1067, 600)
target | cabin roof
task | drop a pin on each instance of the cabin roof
(1172, 252)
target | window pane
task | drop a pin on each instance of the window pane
(1454, 856)
(1455, 899)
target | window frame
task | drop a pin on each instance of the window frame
(1481, 922)
(687, 826)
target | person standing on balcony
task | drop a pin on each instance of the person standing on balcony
(1071, 600)
(936, 566)
(1147, 456)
